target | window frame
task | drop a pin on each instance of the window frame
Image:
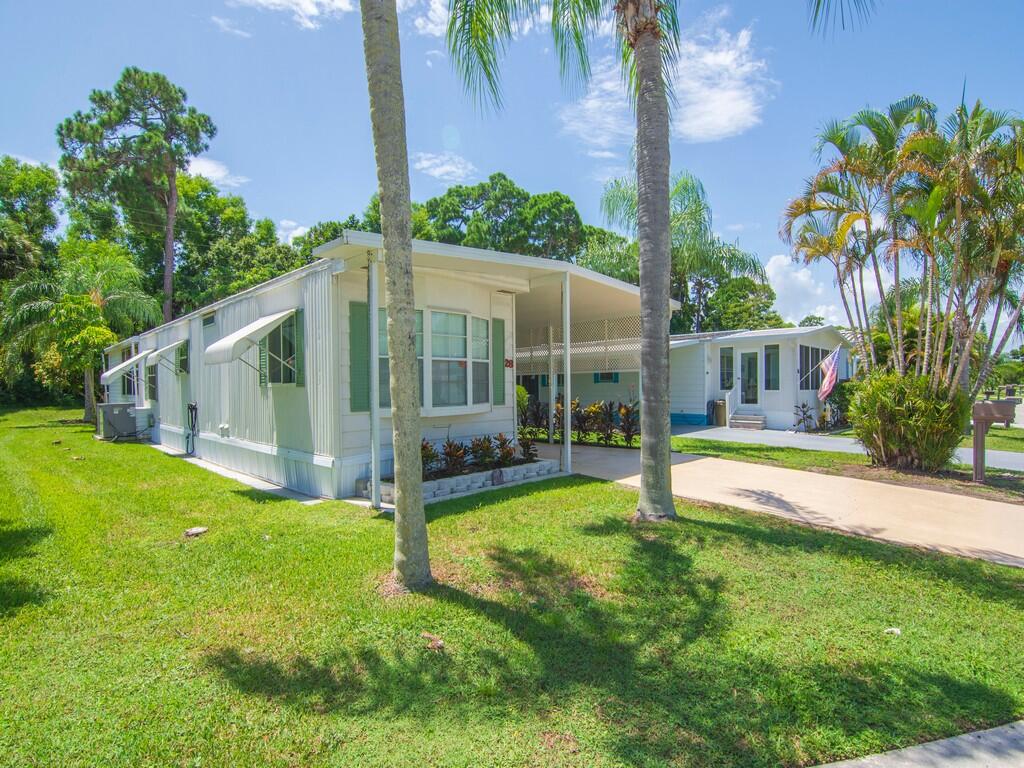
(427, 408)
(277, 356)
(152, 383)
(721, 368)
(768, 374)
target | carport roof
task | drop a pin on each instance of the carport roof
(535, 281)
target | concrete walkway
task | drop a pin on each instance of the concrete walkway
(782, 439)
(1001, 747)
(960, 525)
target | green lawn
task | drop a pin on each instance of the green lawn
(999, 438)
(571, 638)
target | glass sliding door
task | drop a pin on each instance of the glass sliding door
(748, 378)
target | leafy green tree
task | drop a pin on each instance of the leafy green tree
(811, 321)
(323, 232)
(95, 294)
(28, 198)
(554, 229)
(610, 254)
(742, 303)
(233, 264)
(130, 147)
(387, 120)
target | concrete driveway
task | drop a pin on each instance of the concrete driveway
(782, 439)
(960, 525)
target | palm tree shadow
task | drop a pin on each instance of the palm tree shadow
(639, 651)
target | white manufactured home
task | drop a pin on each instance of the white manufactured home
(762, 376)
(288, 381)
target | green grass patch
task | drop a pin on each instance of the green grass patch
(571, 638)
(999, 438)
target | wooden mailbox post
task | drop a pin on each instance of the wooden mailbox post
(985, 414)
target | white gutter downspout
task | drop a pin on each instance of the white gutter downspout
(372, 305)
(567, 389)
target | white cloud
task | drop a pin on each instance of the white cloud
(308, 14)
(288, 230)
(602, 154)
(434, 22)
(444, 166)
(799, 293)
(215, 171)
(601, 118)
(721, 86)
(434, 54)
(228, 26)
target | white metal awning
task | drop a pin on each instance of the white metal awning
(122, 367)
(154, 357)
(232, 346)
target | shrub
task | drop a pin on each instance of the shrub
(506, 450)
(428, 456)
(903, 424)
(527, 447)
(804, 417)
(606, 421)
(559, 416)
(482, 451)
(535, 415)
(454, 454)
(839, 402)
(522, 403)
(629, 422)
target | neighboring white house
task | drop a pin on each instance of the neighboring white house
(762, 375)
(284, 374)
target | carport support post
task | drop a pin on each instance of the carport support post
(371, 303)
(552, 385)
(567, 389)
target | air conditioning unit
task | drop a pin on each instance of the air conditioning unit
(117, 420)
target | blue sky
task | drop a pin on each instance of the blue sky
(285, 84)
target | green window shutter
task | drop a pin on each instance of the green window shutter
(359, 355)
(263, 361)
(615, 378)
(182, 362)
(300, 349)
(498, 361)
(597, 378)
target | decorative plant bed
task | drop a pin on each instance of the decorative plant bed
(470, 482)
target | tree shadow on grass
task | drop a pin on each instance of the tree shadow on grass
(648, 657)
(16, 542)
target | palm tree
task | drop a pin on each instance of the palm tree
(700, 259)
(974, 159)
(387, 117)
(887, 131)
(95, 294)
(648, 34)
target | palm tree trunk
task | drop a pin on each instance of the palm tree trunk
(89, 390)
(883, 310)
(849, 315)
(898, 296)
(172, 214)
(963, 366)
(867, 319)
(919, 360)
(387, 117)
(652, 166)
(986, 367)
(953, 277)
(932, 276)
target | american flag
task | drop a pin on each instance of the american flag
(829, 374)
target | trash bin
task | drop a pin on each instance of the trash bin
(719, 413)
